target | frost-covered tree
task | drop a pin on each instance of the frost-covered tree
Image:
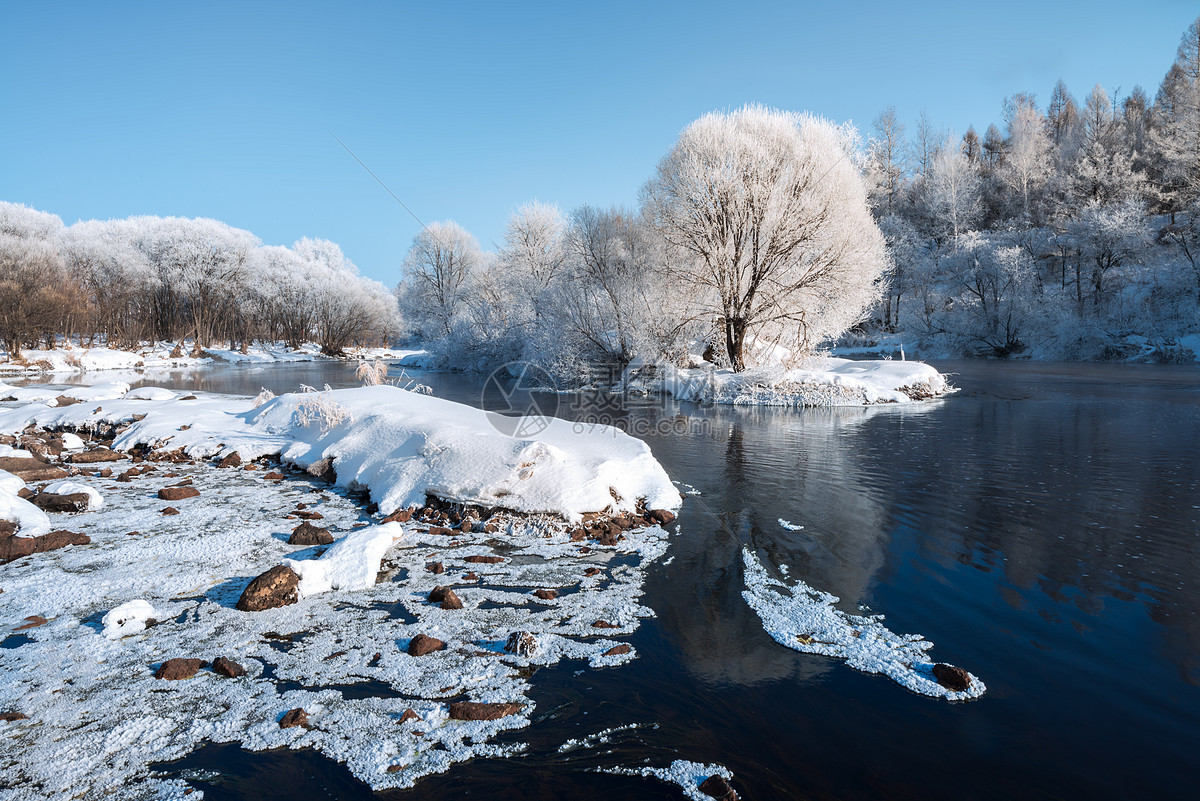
(1026, 166)
(953, 191)
(773, 216)
(36, 291)
(533, 252)
(885, 160)
(437, 269)
(1103, 169)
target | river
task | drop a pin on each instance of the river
(1039, 526)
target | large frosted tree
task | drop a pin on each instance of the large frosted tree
(772, 212)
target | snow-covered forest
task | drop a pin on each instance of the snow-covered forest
(1070, 229)
(125, 282)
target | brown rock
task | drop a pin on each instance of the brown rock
(437, 568)
(276, 587)
(618, 650)
(8, 528)
(662, 517)
(546, 595)
(49, 502)
(409, 715)
(232, 460)
(187, 397)
(177, 493)
(423, 644)
(98, 455)
(439, 531)
(294, 717)
(324, 470)
(250, 467)
(591, 571)
(486, 560)
(65, 400)
(308, 515)
(274, 476)
(9, 717)
(446, 596)
(718, 788)
(12, 547)
(398, 516)
(609, 535)
(106, 473)
(470, 577)
(227, 667)
(521, 643)
(951, 677)
(176, 669)
(32, 622)
(604, 624)
(308, 534)
(25, 493)
(467, 526)
(30, 470)
(578, 535)
(470, 710)
(170, 510)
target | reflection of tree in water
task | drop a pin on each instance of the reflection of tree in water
(1077, 502)
(761, 465)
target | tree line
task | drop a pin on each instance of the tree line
(143, 279)
(1060, 232)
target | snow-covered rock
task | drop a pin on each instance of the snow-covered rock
(128, 618)
(31, 521)
(351, 563)
(95, 501)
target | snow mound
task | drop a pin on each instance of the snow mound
(400, 445)
(9, 484)
(31, 521)
(150, 393)
(351, 563)
(72, 442)
(827, 381)
(128, 618)
(76, 360)
(16, 453)
(805, 619)
(95, 501)
(98, 392)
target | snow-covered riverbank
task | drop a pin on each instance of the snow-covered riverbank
(167, 355)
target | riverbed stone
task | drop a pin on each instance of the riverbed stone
(275, 588)
(951, 677)
(177, 669)
(424, 644)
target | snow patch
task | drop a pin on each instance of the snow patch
(128, 618)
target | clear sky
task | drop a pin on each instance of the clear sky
(466, 110)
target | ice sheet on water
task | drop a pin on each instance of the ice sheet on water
(789, 525)
(806, 619)
(687, 775)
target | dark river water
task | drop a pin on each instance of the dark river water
(1040, 527)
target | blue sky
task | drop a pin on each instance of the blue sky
(466, 110)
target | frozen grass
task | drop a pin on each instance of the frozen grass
(805, 619)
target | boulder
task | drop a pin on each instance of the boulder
(227, 667)
(662, 517)
(170, 510)
(273, 476)
(409, 715)
(30, 470)
(308, 534)
(294, 717)
(718, 788)
(545, 595)
(50, 502)
(177, 493)
(308, 515)
(423, 644)
(98, 455)
(65, 400)
(951, 677)
(12, 547)
(439, 531)
(618, 650)
(437, 568)
(324, 470)
(398, 516)
(445, 596)
(521, 643)
(275, 588)
(471, 710)
(232, 460)
(176, 669)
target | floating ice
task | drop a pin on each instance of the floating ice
(805, 619)
(687, 775)
(789, 525)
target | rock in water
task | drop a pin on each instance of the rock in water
(618, 650)
(546, 595)
(521, 643)
(951, 677)
(662, 517)
(176, 669)
(423, 644)
(471, 710)
(276, 587)
(177, 493)
(227, 667)
(294, 717)
(308, 534)
(718, 788)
